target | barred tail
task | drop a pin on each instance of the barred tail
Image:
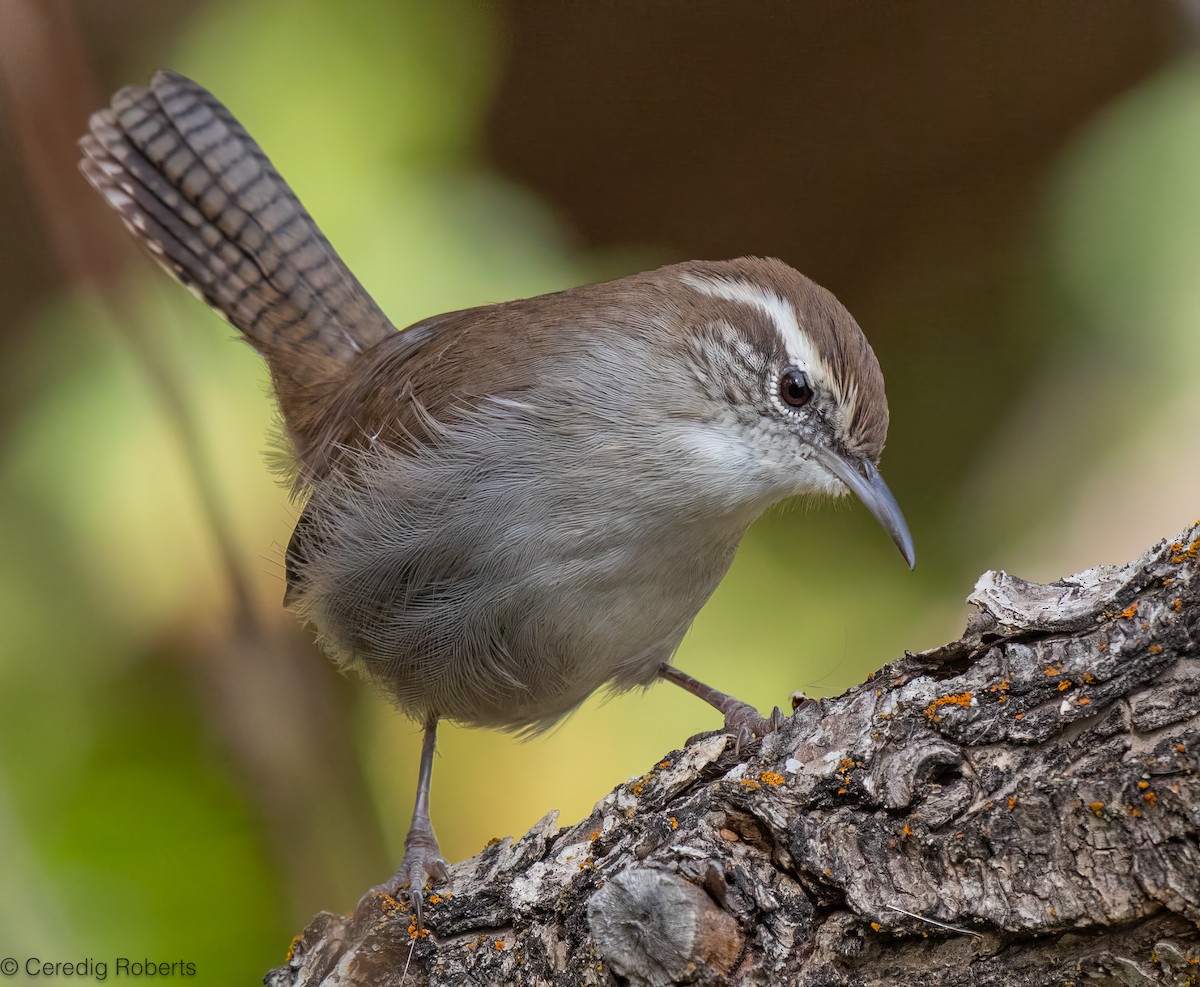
(196, 190)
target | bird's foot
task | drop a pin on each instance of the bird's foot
(741, 719)
(745, 723)
(423, 864)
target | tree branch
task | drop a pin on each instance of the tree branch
(1021, 806)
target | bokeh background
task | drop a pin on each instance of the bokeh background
(1007, 196)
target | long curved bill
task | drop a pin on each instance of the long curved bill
(867, 485)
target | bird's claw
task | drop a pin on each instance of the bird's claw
(746, 723)
(423, 864)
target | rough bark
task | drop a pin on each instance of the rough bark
(1021, 806)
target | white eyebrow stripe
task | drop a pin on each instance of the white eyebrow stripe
(778, 309)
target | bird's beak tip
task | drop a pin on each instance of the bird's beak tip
(864, 481)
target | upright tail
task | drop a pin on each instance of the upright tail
(196, 190)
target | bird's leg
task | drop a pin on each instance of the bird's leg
(423, 861)
(741, 719)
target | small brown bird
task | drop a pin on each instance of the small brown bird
(511, 506)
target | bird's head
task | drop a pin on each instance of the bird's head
(789, 384)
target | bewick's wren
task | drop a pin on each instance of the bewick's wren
(508, 506)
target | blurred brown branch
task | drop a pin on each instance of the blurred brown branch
(1017, 807)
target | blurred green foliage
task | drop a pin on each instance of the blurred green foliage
(127, 830)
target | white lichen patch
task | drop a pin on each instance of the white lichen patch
(527, 888)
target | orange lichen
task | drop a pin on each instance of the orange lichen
(435, 899)
(1019, 716)
(828, 872)
(1177, 605)
(663, 765)
(292, 946)
(751, 783)
(962, 699)
(1052, 670)
(1151, 799)
(416, 933)
(1143, 785)
(1064, 685)
(729, 836)
(876, 926)
(1185, 554)
(498, 944)
(1012, 802)
(1097, 807)
(1000, 686)
(841, 791)
(1089, 678)
(1128, 612)
(674, 823)
(1156, 649)
(1180, 748)
(906, 831)
(771, 777)
(1084, 701)
(594, 834)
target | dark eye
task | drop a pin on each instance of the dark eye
(794, 388)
